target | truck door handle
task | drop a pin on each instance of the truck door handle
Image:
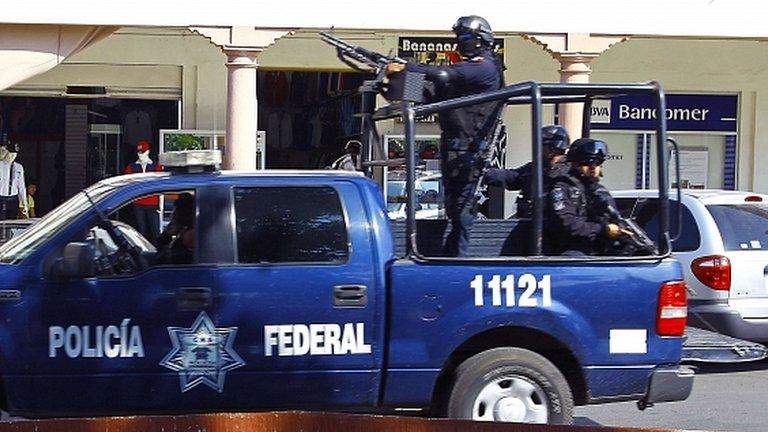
(193, 298)
(351, 296)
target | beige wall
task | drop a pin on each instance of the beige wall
(705, 66)
(176, 63)
(525, 60)
(148, 63)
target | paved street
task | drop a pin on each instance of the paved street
(724, 398)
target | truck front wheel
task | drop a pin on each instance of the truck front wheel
(510, 385)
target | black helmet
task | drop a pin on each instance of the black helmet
(588, 150)
(473, 34)
(555, 137)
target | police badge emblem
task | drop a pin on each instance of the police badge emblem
(558, 198)
(202, 354)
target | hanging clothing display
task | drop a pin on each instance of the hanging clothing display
(305, 114)
(137, 126)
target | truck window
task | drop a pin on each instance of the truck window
(290, 225)
(18, 248)
(742, 226)
(646, 214)
(174, 244)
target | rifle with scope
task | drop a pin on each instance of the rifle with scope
(633, 240)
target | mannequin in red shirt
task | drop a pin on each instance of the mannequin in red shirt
(145, 209)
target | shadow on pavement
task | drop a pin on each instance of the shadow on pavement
(716, 368)
(584, 421)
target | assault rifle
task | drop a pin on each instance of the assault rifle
(376, 61)
(633, 241)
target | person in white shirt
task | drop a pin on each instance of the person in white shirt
(13, 190)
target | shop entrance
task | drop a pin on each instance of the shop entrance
(308, 116)
(104, 152)
(66, 144)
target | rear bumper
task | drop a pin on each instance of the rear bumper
(668, 384)
(721, 318)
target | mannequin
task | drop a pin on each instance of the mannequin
(13, 190)
(348, 162)
(145, 209)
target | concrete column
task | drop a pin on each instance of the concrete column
(242, 111)
(574, 69)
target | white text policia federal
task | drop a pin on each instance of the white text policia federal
(315, 339)
(96, 341)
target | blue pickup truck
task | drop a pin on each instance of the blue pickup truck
(293, 297)
(293, 290)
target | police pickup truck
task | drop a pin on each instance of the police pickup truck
(292, 297)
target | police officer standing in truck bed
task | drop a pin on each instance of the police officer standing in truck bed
(465, 131)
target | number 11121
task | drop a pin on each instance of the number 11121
(505, 290)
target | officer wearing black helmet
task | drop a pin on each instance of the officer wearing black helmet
(555, 141)
(465, 131)
(573, 226)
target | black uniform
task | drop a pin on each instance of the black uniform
(464, 135)
(521, 178)
(572, 222)
(599, 198)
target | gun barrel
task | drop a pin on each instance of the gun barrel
(326, 37)
(363, 55)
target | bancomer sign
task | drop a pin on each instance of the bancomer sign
(685, 112)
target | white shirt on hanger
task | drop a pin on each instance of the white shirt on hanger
(16, 186)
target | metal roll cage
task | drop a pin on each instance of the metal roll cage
(535, 94)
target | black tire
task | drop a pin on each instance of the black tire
(499, 366)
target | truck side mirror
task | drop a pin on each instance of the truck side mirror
(76, 262)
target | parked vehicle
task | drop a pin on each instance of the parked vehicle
(430, 198)
(723, 247)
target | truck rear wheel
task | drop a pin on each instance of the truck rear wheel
(510, 385)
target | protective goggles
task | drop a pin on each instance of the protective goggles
(594, 162)
(464, 37)
(595, 148)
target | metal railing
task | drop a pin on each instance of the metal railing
(536, 94)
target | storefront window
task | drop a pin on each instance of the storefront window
(67, 144)
(428, 178)
(704, 127)
(707, 161)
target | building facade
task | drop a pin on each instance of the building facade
(79, 121)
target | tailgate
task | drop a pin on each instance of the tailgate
(709, 347)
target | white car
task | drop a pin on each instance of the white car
(723, 247)
(429, 205)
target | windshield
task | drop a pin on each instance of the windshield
(742, 226)
(22, 246)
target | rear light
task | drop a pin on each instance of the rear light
(753, 198)
(713, 271)
(672, 314)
